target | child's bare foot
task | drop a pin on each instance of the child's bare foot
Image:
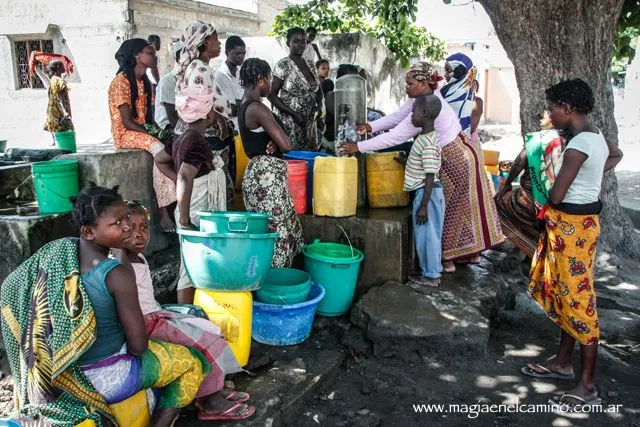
(449, 267)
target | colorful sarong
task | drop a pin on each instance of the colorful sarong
(175, 369)
(544, 152)
(561, 278)
(200, 334)
(265, 190)
(47, 323)
(471, 223)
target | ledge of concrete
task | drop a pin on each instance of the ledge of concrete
(383, 235)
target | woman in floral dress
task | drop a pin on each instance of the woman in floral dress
(296, 94)
(264, 185)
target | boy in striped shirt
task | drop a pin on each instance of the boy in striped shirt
(421, 176)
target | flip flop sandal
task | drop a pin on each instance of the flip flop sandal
(594, 400)
(528, 371)
(230, 414)
(238, 396)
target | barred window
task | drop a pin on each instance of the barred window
(23, 49)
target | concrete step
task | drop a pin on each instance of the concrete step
(287, 380)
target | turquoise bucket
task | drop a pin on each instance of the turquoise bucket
(234, 222)
(55, 181)
(230, 262)
(284, 286)
(335, 267)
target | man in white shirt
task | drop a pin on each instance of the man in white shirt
(228, 75)
(312, 49)
(165, 114)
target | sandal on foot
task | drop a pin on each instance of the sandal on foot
(593, 400)
(547, 373)
(237, 396)
(449, 269)
(239, 411)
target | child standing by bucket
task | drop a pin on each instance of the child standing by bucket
(421, 176)
(184, 329)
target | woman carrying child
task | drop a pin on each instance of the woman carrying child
(264, 186)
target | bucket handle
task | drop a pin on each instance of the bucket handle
(353, 256)
(238, 221)
(340, 266)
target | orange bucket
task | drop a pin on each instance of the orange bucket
(298, 170)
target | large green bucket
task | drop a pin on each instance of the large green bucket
(335, 267)
(55, 182)
(284, 286)
(65, 140)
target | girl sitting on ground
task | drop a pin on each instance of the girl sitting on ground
(264, 186)
(187, 330)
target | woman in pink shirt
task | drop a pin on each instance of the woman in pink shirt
(471, 223)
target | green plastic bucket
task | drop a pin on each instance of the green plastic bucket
(65, 140)
(335, 267)
(284, 286)
(55, 181)
(232, 262)
(234, 222)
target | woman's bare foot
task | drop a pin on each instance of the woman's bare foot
(165, 417)
(165, 221)
(449, 267)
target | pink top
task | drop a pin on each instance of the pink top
(447, 127)
(148, 302)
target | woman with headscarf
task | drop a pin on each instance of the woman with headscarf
(196, 170)
(458, 92)
(58, 117)
(471, 223)
(294, 93)
(131, 109)
(201, 45)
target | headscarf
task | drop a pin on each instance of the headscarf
(425, 72)
(193, 37)
(459, 91)
(194, 103)
(126, 57)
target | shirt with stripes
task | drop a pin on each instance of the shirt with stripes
(424, 158)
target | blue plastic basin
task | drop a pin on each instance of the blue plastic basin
(281, 325)
(231, 262)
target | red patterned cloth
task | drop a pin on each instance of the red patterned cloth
(471, 222)
(45, 58)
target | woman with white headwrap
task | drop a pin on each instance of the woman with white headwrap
(201, 45)
(196, 170)
(458, 92)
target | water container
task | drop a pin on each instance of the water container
(335, 188)
(55, 181)
(335, 267)
(285, 324)
(232, 312)
(65, 140)
(242, 161)
(298, 184)
(234, 222)
(134, 411)
(227, 262)
(309, 157)
(284, 286)
(491, 157)
(385, 181)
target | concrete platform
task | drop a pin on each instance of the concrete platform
(383, 235)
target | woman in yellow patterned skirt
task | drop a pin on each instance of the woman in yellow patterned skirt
(561, 278)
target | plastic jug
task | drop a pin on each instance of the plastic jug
(335, 186)
(385, 181)
(232, 312)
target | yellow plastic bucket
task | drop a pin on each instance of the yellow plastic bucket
(241, 162)
(232, 312)
(335, 186)
(385, 181)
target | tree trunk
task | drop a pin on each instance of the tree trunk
(549, 41)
